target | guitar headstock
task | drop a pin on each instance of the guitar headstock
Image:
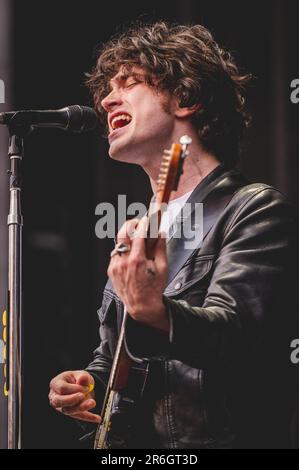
(171, 169)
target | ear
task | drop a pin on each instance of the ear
(187, 111)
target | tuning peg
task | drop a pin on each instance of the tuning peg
(185, 140)
(161, 179)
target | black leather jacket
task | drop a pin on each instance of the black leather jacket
(222, 377)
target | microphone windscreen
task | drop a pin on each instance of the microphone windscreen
(81, 118)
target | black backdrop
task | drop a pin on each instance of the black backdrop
(66, 176)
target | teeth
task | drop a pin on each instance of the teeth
(120, 117)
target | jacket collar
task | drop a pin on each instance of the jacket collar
(214, 192)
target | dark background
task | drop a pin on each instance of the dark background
(66, 176)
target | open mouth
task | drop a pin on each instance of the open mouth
(121, 120)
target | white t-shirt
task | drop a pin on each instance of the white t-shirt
(173, 209)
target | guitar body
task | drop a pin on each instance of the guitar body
(118, 419)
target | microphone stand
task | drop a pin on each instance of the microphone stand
(14, 308)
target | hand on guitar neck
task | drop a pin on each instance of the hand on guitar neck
(138, 281)
(139, 275)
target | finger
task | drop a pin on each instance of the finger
(86, 381)
(138, 241)
(117, 273)
(160, 253)
(86, 405)
(60, 401)
(126, 232)
(68, 376)
(61, 387)
(87, 416)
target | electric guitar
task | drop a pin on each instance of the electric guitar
(128, 378)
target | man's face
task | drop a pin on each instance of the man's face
(140, 119)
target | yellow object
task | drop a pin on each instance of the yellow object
(4, 335)
(90, 389)
(4, 318)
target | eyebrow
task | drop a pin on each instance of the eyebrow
(119, 78)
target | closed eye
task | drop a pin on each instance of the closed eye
(131, 84)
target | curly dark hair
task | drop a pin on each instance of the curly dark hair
(186, 61)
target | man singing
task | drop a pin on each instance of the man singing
(216, 336)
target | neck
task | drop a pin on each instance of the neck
(197, 166)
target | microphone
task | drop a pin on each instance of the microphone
(73, 118)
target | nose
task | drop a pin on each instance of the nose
(112, 100)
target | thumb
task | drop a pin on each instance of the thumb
(84, 378)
